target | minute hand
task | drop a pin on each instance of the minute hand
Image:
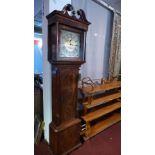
(73, 44)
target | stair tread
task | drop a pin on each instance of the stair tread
(106, 86)
(102, 100)
(101, 112)
(102, 125)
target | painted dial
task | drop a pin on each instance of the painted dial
(69, 44)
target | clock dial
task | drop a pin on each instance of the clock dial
(69, 44)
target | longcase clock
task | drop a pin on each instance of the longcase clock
(66, 52)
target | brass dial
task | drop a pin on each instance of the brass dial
(69, 44)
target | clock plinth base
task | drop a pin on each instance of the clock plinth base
(65, 138)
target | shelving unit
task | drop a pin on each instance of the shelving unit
(101, 107)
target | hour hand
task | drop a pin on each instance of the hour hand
(73, 43)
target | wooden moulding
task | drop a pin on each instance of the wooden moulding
(70, 20)
(65, 125)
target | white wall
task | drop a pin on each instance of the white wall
(98, 38)
(48, 7)
(46, 74)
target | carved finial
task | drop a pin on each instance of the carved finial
(68, 7)
(82, 15)
(69, 10)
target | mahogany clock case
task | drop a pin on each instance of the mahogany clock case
(65, 127)
(57, 22)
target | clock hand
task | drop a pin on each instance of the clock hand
(73, 43)
(70, 42)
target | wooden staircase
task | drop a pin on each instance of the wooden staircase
(103, 111)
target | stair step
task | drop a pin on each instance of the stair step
(97, 128)
(103, 87)
(102, 100)
(101, 112)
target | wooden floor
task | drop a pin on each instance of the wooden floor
(107, 142)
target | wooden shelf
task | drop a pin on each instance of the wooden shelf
(101, 112)
(103, 125)
(102, 100)
(103, 87)
(101, 117)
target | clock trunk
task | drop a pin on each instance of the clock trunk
(64, 92)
